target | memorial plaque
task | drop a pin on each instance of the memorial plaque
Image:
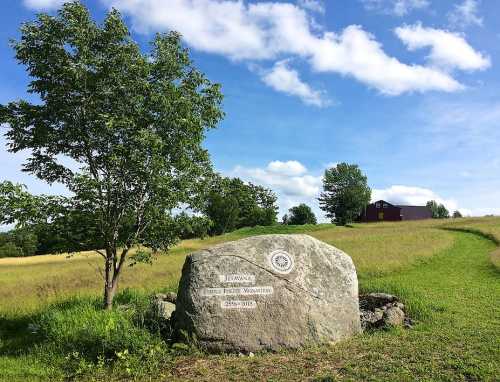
(238, 304)
(250, 279)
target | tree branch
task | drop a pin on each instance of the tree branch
(100, 253)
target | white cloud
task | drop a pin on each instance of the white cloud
(303, 185)
(291, 181)
(395, 7)
(271, 30)
(465, 14)
(288, 168)
(448, 49)
(312, 5)
(286, 80)
(40, 5)
(480, 212)
(356, 53)
(414, 196)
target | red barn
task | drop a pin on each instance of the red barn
(384, 211)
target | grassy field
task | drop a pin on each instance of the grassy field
(375, 248)
(441, 269)
(489, 227)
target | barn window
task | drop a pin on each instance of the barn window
(377, 205)
(386, 205)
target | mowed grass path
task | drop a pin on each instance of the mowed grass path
(455, 298)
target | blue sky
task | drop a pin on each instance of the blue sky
(407, 89)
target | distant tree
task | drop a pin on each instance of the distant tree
(192, 226)
(285, 219)
(301, 214)
(223, 211)
(439, 211)
(131, 123)
(17, 243)
(433, 206)
(234, 204)
(25, 240)
(457, 214)
(10, 249)
(345, 193)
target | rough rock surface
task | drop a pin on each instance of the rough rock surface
(394, 316)
(163, 305)
(266, 293)
(378, 310)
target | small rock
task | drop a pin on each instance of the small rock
(379, 313)
(160, 297)
(162, 307)
(165, 309)
(371, 301)
(394, 316)
(251, 354)
(171, 297)
(370, 320)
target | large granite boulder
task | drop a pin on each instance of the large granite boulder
(267, 293)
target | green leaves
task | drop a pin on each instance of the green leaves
(299, 215)
(439, 211)
(121, 129)
(345, 194)
(233, 204)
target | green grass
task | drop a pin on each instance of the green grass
(454, 297)
(489, 227)
(444, 277)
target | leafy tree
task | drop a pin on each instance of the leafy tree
(457, 214)
(223, 211)
(234, 204)
(301, 214)
(192, 226)
(10, 249)
(439, 211)
(131, 124)
(17, 243)
(25, 240)
(345, 193)
(285, 219)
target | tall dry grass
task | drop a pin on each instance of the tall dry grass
(28, 283)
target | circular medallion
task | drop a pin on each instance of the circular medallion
(281, 261)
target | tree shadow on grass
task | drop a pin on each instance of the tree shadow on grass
(18, 334)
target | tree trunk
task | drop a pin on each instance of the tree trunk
(112, 275)
(109, 290)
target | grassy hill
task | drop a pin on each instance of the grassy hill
(442, 270)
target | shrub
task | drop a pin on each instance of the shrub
(10, 249)
(81, 327)
(17, 243)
